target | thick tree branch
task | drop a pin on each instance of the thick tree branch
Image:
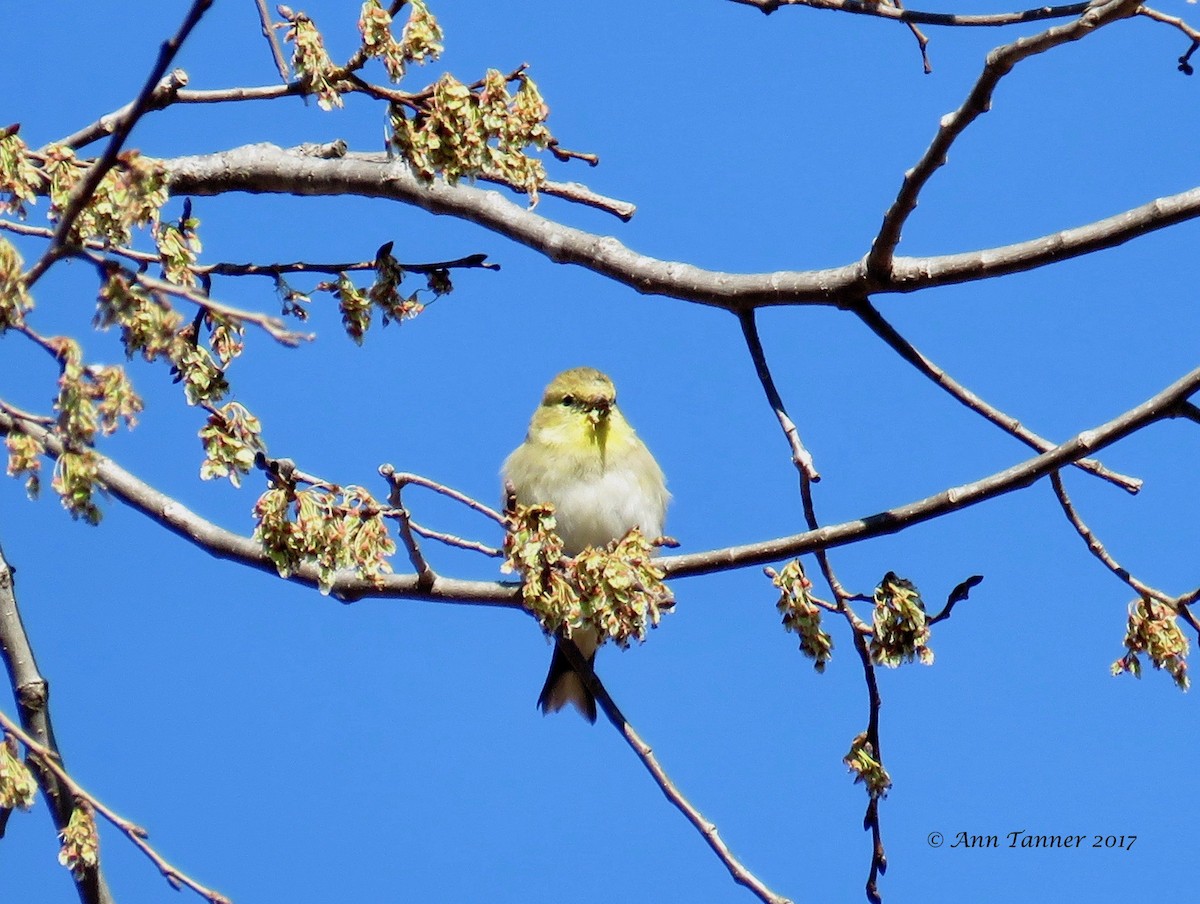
(225, 544)
(999, 63)
(31, 691)
(265, 168)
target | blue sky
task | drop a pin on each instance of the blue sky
(282, 746)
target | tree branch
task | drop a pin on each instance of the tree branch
(885, 331)
(1161, 405)
(1097, 548)
(264, 18)
(31, 691)
(225, 544)
(162, 96)
(999, 63)
(867, 8)
(808, 475)
(708, 830)
(273, 270)
(265, 168)
(48, 759)
(1192, 34)
(801, 457)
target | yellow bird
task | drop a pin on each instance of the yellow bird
(582, 457)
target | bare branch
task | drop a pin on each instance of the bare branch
(425, 574)
(471, 261)
(235, 95)
(960, 592)
(265, 168)
(268, 32)
(468, 262)
(808, 475)
(451, 540)
(867, 8)
(1006, 422)
(1159, 406)
(800, 455)
(708, 830)
(162, 96)
(999, 63)
(1097, 548)
(1193, 34)
(404, 478)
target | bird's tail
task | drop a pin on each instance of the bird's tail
(563, 684)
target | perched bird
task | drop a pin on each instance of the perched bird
(582, 457)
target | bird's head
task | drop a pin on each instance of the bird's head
(580, 403)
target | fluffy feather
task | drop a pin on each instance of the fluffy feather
(582, 457)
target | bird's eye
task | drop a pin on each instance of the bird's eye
(568, 400)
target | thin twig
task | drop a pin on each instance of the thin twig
(801, 457)
(426, 576)
(135, 833)
(890, 335)
(707, 829)
(471, 261)
(83, 191)
(808, 476)
(467, 262)
(1097, 548)
(23, 415)
(961, 592)
(162, 96)
(880, 10)
(859, 632)
(999, 63)
(452, 540)
(272, 326)
(268, 32)
(1185, 65)
(403, 478)
(922, 40)
(239, 94)
(564, 154)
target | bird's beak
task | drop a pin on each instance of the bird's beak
(598, 412)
